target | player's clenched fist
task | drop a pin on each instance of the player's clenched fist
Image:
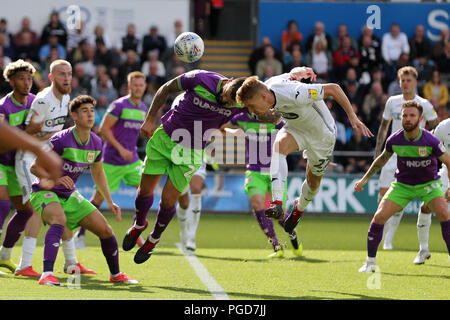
(359, 185)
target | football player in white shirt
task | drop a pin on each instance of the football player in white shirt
(49, 109)
(442, 131)
(309, 127)
(407, 77)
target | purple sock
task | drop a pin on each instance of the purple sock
(162, 220)
(374, 237)
(5, 207)
(266, 226)
(51, 245)
(445, 228)
(81, 232)
(142, 205)
(15, 227)
(111, 252)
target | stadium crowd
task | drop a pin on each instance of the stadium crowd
(364, 67)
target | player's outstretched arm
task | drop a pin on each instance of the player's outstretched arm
(99, 177)
(170, 87)
(335, 91)
(376, 166)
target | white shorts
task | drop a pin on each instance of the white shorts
(318, 150)
(387, 172)
(200, 172)
(24, 160)
(444, 177)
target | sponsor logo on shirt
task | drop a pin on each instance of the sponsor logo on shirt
(73, 169)
(55, 122)
(418, 164)
(289, 115)
(206, 105)
(132, 125)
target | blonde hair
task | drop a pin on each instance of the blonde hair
(248, 89)
(408, 70)
(59, 62)
(135, 75)
(412, 104)
(17, 66)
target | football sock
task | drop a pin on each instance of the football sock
(266, 226)
(393, 223)
(278, 174)
(162, 220)
(81, 232)
(445, 228)
(143, 205)
(5, 207)
(51, 246)
(16, 226)
(374, 238)
(28, 247)
(110, 250)
(195, 211)
(68, 248)
(423, 229)
(306, 196)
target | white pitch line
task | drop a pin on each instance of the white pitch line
(216, 289)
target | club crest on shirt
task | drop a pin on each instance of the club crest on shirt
(90, 156)
(312, 93)
(422, 151)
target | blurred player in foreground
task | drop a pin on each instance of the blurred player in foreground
(418, 152)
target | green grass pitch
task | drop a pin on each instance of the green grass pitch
(234, 251)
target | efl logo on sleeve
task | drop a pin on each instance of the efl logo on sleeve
(312, 93)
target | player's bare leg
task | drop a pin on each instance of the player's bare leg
(166, 212)
(97, 224)
(386, 209)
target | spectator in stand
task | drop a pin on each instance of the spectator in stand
(436, 89)
(83, 78)
(268, 72)
(366, 31)
(104, 88)
(53, 55)
(153, 74)
(32, 38)
(394, 86)
(4, 29)
(25, 48)
(319, 34)
(131, 41)
(358, 164)
(177, 30)
(269, 58)
(419, 45)
(7, 60)
(290, 36)
(215, 10)
(44, 52)
(373, 103)
(6, 50)
(99, 34)
(77, 89)
(439, 46)
(152, 87)
(296, 46)
(258, 54)
(153, 41)
(355, 92)
(153, 56)
(74, 38)
(129, 65)
(342, 56)
(443, 61)
(173, 63)
(370, 55)
(54, 28)
(5, 87)
(296, 61)
(320, 59)
(394, 43)
(104, 56)
(88, 63)
(341, 34)
(100, 110)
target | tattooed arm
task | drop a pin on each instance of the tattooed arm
(381, 136)
(148, 127)
(376, 166)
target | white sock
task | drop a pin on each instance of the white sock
(195, 211)
(68, 247)
(182, 220)
(5, 253)
(44, 274)
(393, 223)
(278, 173)
(423, 229)
(370, 259)
(28, 247)
(306, 196)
